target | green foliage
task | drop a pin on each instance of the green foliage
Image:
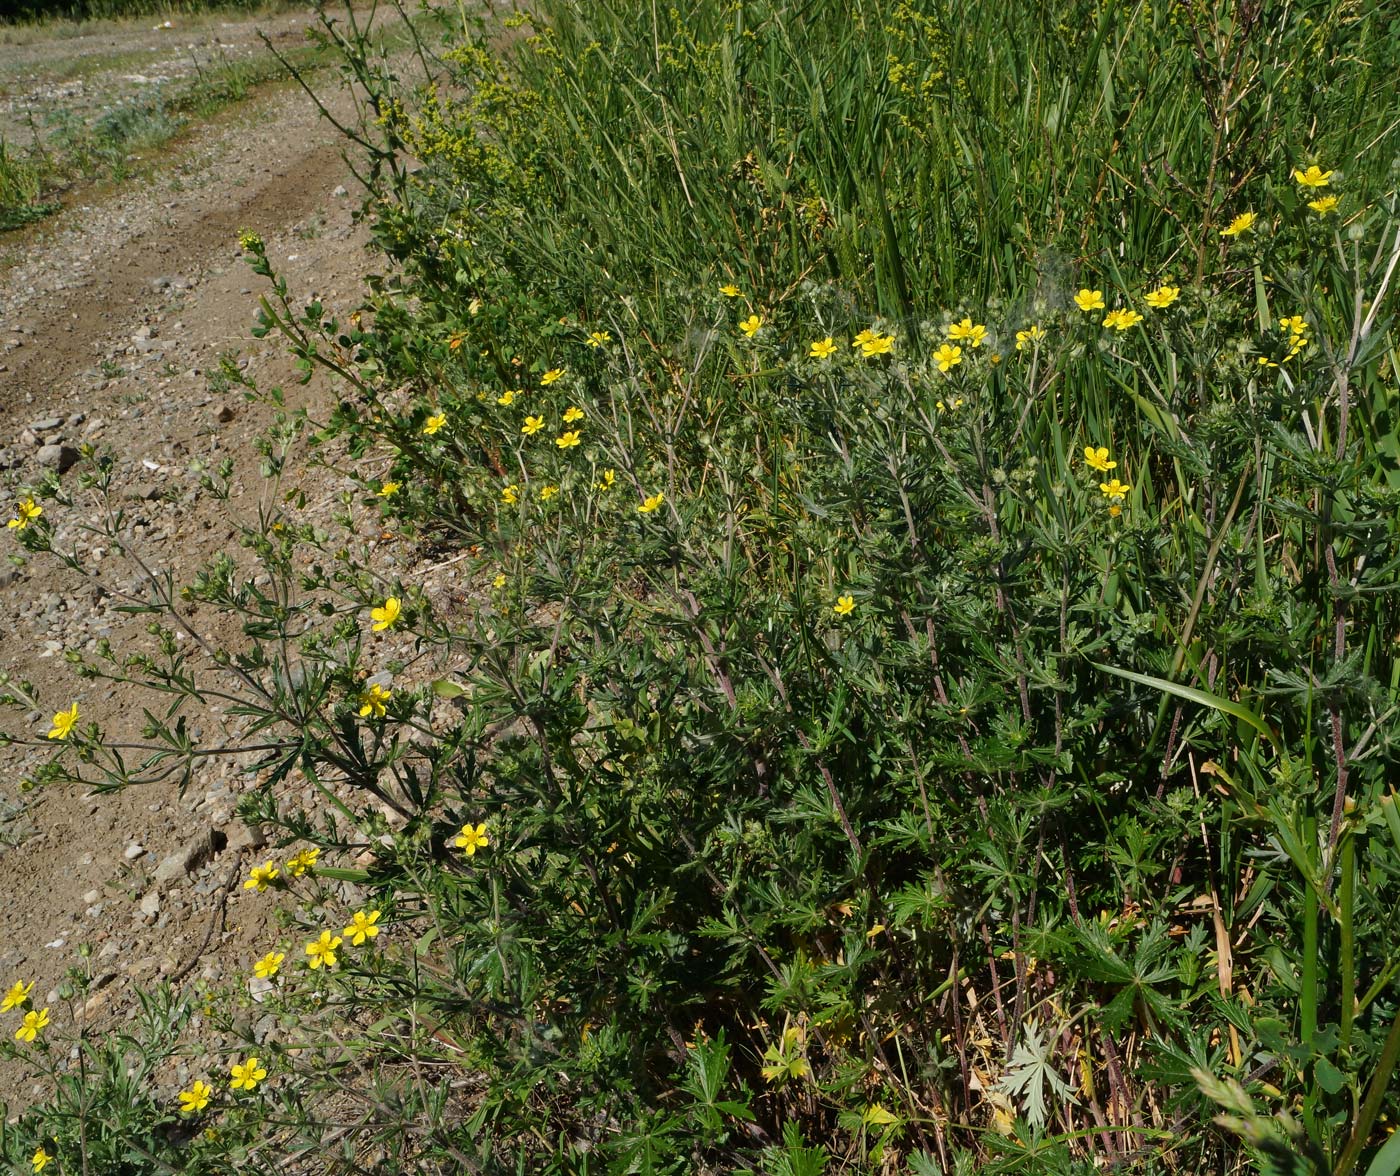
(971, 762)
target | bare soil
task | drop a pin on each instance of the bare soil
(113, 319)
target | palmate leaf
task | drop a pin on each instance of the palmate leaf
(1029, 1074)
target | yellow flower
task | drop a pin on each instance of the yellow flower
(1322, 206)
(16, 996)
(64, 722)
(1241, 224)
(510, 495)
(472, 838)
(1097, 459)
(261, 877)
(388, 490)
(1314, 177)
(25, 512)
(823, 348)
(877, 345)
(844, 605)
(196, 1098)
(550, 376)
(322, 951)
(372, 701)
(499, 581)
(863, 338)
(952, 405)
(1294, 324)
(434, 423)
(362, 927)
(598, 338)
(572, 414)
(653, 502)
(247, 1074)
(268, 966)
(507, 398)
(1122, 319)
(1088, 300)
(548, 492)
(1162, 297)
(974, 333)
(1115, 489)
(40, 1158)
(567, 440)
(300, 863)
(33, 1022)
(1029, 337)
(385, 616)
(729, 291)
(947, 357)
(750, 326)
(532, 425)
(609, 477)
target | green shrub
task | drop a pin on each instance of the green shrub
(916, 684)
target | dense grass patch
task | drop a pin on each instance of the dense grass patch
(924, 482)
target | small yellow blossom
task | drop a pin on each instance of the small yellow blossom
(388, 489)
(823, 348)
(499, 581)
(362, 927)
(261, 877)
(947, 357)
(26, 511)
(1029, 337)
(844, 606)
(64, 722)
(385, 616)
(952, 405)
(567, 440)
(1122, 319)
(1322, 206)
(1241, 224)
(1294, 324)
(550, 376)
(434, 423)
(300, 863)
(572, 414)
(269, 965)
(862, 338)
(1162, 297)
(877, 345)
(507, 398)
(532, 425)
(609, 477)
(973, 333)
(548, 492)
(321, 952)
(510, 495)
(1097, 459)
(471, 838)
(16, 996)
(247, 1075)
(729, 291)
(1088, 300)
(196, 1098)
(372, 701)
(599, 338)
(653, 502)
(40, 1158)
(33, 1022)
(1314, 177)
(750, 326)
(1115, 489)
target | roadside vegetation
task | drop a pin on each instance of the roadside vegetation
(917, 686)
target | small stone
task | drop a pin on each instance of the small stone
(150, 904)
(186, 860)
(133, 851)
(60, 457)
(92, 896)
(225, 414)
(29, 438)
(258, 988)
(241, 837)
(47, 424)
(340, 192)
(144, 492)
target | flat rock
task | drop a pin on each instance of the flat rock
(60, 457)
(188, 858)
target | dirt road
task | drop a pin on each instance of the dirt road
(113, 319)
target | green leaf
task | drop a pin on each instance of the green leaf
(1193, 694)
(1387, 1160)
